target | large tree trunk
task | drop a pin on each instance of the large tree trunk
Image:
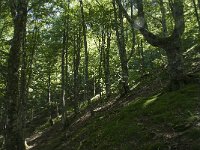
(23, 85)
(175, 66)
(171, 44)
(14, 131)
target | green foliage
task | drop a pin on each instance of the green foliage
(49, 20)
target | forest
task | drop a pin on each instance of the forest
(99, 74)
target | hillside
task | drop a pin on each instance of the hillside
(168, 120)
(99, 75)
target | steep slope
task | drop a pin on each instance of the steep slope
(163, 121)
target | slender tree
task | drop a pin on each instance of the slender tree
(67, 51)
(49, 100)
(63, 76)
(106, 63)
(164, 22)
(76, 62)
(86, 61)
(119, 29)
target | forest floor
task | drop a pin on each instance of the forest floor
(145, 119)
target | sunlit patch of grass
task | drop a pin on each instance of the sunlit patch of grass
(149, 101)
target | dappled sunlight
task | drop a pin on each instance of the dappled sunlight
(32, 139)
(99, 74)
(150, 101)
(108, 104)
(83, 118)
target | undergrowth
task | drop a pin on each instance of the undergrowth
(158, 122)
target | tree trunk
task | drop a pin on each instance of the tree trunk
(30, 61)
(67, 53)
(23, 85)
(171, 44)
(164, 22)
(196, 13)
(175, 67)
(86, 61)
(76, 60)
(101, 50)
(106, 61)
(14, 132)
(142, 63)
(63, 78)
(199, 4)
(122, 49)
(50, 106)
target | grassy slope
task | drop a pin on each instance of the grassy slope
(163, 121)
(170, 120)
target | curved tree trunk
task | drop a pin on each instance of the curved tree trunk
(171, 44)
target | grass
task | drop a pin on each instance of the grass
(157, 122)
(163, 121)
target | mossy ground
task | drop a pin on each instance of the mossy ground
(158, 122)
(164, 121)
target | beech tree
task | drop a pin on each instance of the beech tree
(63, 58)
(14, 129)
(171, 44)
(122, 49)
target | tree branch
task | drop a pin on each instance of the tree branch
(151, 38)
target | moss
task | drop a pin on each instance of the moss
(194, 134)
(156, 146)
(133, 126)
(146, 123)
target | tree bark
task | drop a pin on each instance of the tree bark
(76, 60)
(164, 22)
(49, 96)
(63, 77)
(196, 13)
(101, 50)
(122, 49)
(199, 4)
(86, 61)
(14, 131)
(67, 53)
(106, 64)
(141, 54)
(23, 85)
(175, 66)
